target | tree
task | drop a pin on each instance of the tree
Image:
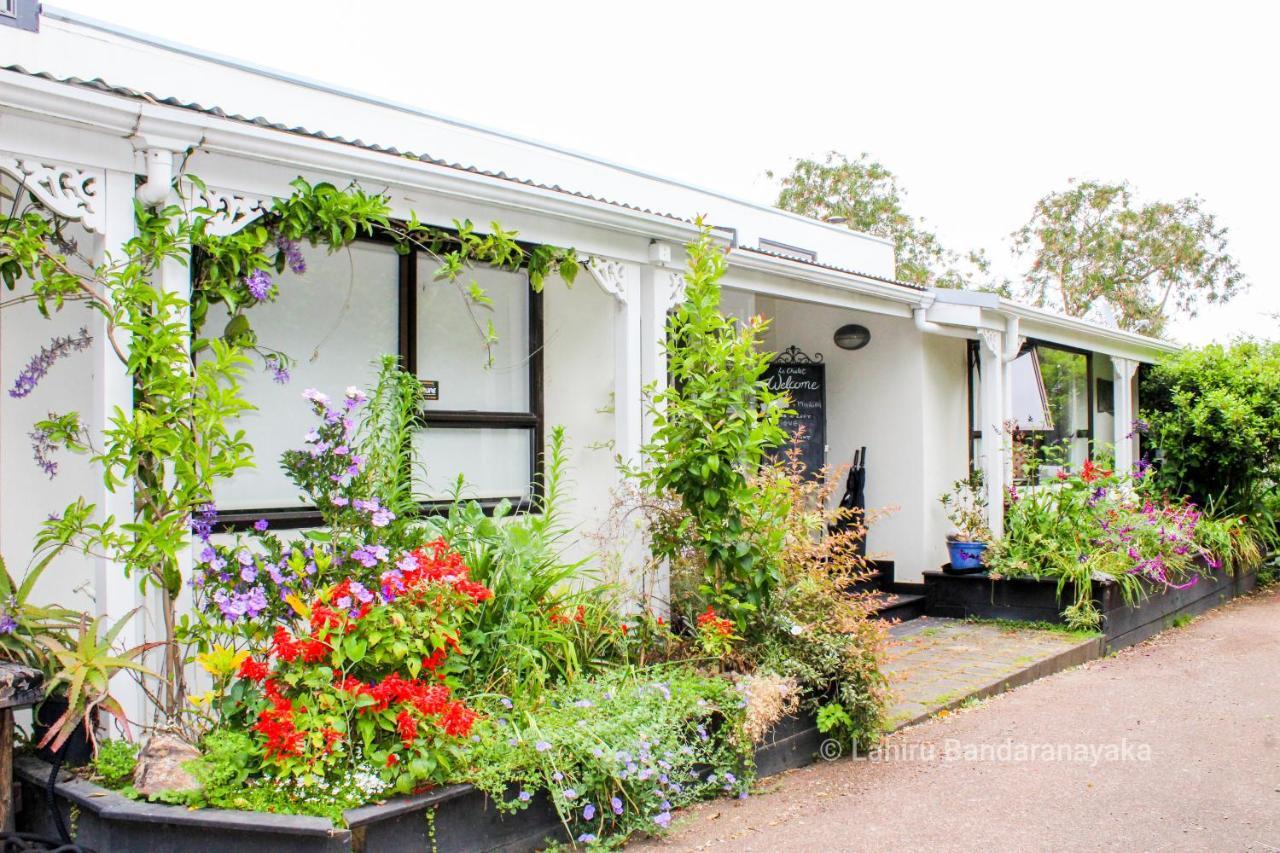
(1092, 241)
(864, 196)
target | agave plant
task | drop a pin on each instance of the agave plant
(87, 663)
(22, 623)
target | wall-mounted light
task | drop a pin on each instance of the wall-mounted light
(852, 336)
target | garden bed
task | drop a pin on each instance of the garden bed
(453, 818)
(1024, 599)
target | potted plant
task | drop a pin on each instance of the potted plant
(966, 508)
(80, 686)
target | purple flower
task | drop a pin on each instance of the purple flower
(315, 396)
(382, 517)
(663, 819)
(7, 624)
(40, 363)
(542, 746)
(42, 448)
(259, 284)
(506, 703)
(202, 524)
(616, 805)
(586, 838)
(279, 373)
(588, 811)
(260, 525)
(248, 574)
(370, 555)
(525, 796)
(292, 254)
(569, 794)
(557, 776)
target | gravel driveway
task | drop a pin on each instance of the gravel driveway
(1173, 744)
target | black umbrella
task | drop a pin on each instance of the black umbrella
(854, 501)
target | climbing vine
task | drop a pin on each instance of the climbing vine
(178, 439)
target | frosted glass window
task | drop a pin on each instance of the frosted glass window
(335, 321)
(494, 462)
(450, 340)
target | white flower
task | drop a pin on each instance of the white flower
(796, 630)
(315, 396)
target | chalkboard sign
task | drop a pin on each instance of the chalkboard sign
(804, 378)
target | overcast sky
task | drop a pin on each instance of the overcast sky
(980, 108)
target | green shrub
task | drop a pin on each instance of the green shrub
(1214, 416)
(713, 425)
(114, 763)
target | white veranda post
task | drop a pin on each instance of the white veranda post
(994, 449)
(1124, 370)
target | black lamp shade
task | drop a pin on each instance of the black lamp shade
(852, 336)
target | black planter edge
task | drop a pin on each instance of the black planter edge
(795, 749)
(109, 805)
(1145, 619)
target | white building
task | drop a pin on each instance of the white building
(89, 111)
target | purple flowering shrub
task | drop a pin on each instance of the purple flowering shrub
(249, 586)
(618, 754)
(1097, 524)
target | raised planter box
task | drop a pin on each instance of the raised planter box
(455, 818)
(978, 595)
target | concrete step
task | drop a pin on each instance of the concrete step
(899, 607)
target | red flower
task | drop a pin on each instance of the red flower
(253, 670)
(709, 621)
(477, 592)
(434, 661)
(331, 737)
(313, 650)
(1062, 475)
(1090, 472)
(393, 760)
(458, 719)
(407, 727)
(283, 645)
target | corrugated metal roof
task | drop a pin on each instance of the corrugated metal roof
(823, 266)
(100, 85)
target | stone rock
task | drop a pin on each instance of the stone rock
(160, 765)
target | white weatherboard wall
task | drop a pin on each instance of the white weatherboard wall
(578, 370)
(27, 494)
(895, 396)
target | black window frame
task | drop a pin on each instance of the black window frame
(974, 362)
(533, 420)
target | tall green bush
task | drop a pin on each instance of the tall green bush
(713, 426)
(1214, 415)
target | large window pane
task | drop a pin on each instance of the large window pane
(1066, 381)
(450, 337)
(336, 320)
(495, 463)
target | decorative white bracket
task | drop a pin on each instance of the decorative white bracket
(675, 291)
(231, 210)
(992, 340)
(610, 275)
(66, 190)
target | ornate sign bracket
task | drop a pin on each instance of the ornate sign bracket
(794, 355)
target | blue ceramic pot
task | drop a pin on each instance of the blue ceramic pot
(966, 555)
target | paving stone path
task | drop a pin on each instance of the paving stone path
(939, 664)
(1183, 753)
